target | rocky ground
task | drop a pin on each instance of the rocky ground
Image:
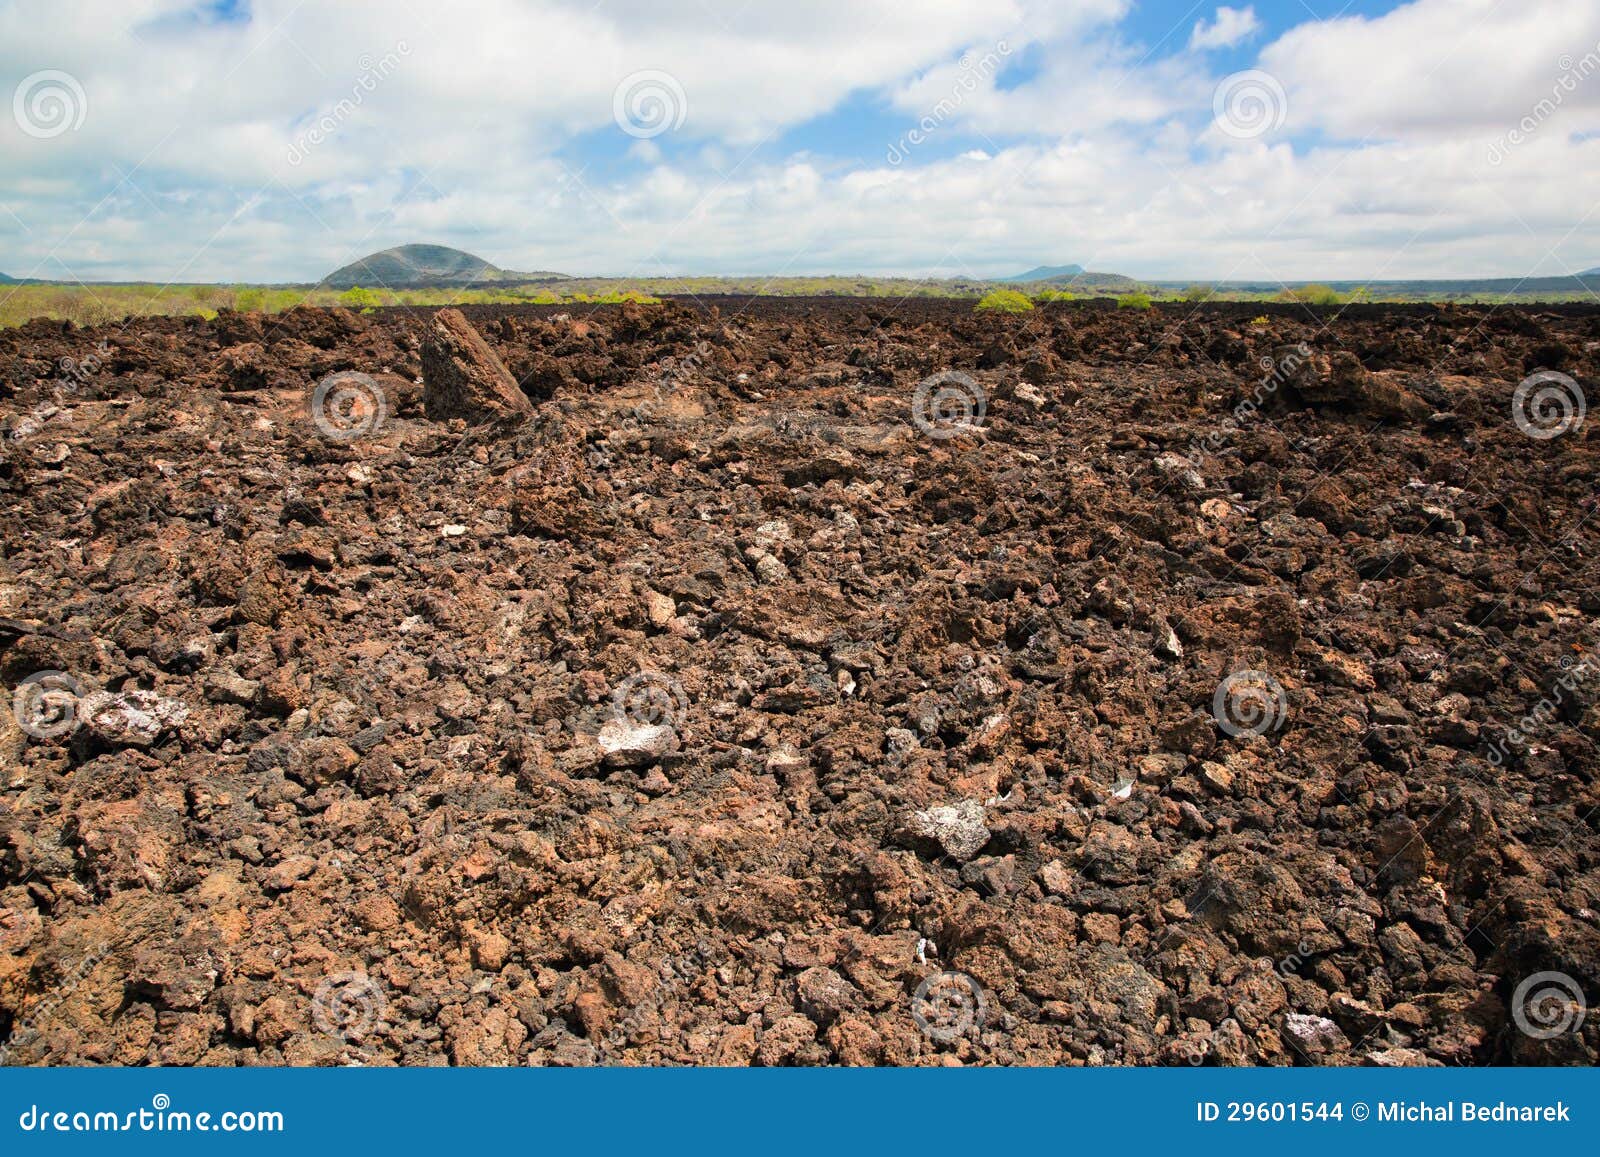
(800, 682)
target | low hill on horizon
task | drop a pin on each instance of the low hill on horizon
(1073, 278)
(1047, 273)
(422, 266)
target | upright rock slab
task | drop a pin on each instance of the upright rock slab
(463, 378)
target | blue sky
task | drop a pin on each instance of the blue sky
(860, 126)
(275, 140)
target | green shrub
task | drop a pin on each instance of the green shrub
(1199, 293)
(358, 298)
(616, 297)
(1046, 296)
(1134, 301)
(1312, 295)
(1004, 301)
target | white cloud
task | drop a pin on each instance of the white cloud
(1231, 26)
(1435, 69)
(1080, 145)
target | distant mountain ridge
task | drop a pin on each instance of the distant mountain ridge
(1074, 278)
(410, 265)
(1595, 272)
(421, 266)
(1047, 273)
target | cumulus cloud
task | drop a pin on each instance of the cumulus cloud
(1229, 27)
(1435, 69)
(280, 146)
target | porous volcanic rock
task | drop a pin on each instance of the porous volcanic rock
(463, 378)
(1238, 726)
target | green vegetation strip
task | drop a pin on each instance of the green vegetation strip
(99, 304)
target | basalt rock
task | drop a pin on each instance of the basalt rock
(463, 378)
(382, 773)
(1341, 382)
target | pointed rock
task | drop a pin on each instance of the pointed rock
(463, 378)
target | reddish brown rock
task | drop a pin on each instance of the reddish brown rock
(918, 711)
(463, 378)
